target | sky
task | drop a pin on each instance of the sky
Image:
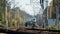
(28, 8)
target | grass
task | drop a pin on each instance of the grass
(54, 27)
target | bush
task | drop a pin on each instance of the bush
(54, 27)
(1, 26)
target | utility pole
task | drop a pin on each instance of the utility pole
(42, 7)
(46, 20)
(57, 15)
(45, 8)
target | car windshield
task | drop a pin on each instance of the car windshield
(21, 15)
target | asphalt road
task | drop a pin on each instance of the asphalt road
(3, 33)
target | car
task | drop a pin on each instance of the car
(29, 23)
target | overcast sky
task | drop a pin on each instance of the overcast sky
(25, 5)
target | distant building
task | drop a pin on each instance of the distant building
(53, 11)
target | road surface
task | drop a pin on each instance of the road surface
(2, 33)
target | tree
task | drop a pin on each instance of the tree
(0, 14)
(2, 10)
(13, 22)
